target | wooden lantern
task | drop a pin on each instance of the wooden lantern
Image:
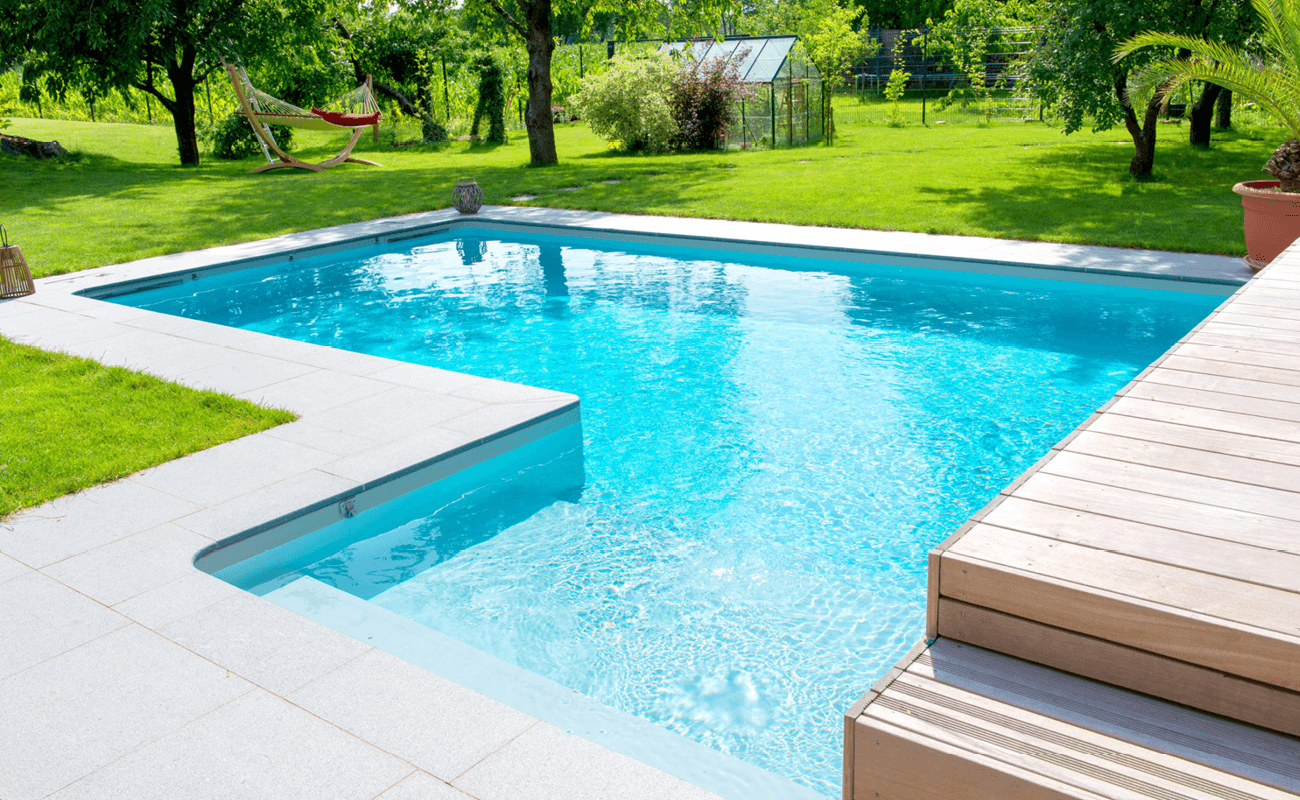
(15, 277)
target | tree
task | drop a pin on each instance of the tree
(1073, 73)
(903, 14)
(115, 45)
(532, 20)
(397, 47)
(1270, 77)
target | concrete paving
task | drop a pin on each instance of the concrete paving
(126, 672)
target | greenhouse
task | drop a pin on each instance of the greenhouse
(787, 102)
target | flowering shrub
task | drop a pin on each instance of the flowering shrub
(704, 100)
(628, 102)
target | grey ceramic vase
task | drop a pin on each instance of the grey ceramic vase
(467, 197)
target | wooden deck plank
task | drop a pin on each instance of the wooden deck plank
(1201, 398)
(1238, 469)
(1160, 511)
(1234, 495)
(1216, 598)
(1224, 384)
(1089, 758)
(1242, 317)
(1232, 355)
(1215, 556)
(1242, 302)
(1234, 369)
(1204, 619)
(1199, 438)
(1132, 668)
(1208, 418)
(896, 764)
(1266, 334)
(1249, 343)
(1183, 733)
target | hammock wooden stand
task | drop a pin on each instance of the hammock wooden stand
(278, 112)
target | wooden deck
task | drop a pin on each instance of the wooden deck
(1157, 548)
(955, 722)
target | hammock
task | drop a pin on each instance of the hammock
(353, 111)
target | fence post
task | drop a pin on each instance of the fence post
(207, 87)
(446, 93)
(925, 69)
(580, 73)
(609, 49)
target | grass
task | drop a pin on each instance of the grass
(124, 197)
(70, 423)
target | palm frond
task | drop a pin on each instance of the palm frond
(1272, 81)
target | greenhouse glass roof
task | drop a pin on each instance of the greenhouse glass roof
(761, 64)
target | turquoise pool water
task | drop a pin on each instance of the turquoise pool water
(736, 549)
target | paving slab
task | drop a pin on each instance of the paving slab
(41, 618)
(10, 569)
(258, 747)
(78, 712)
(169, 602)
(245, 372)
(423, 786)
(79, 522)
(545, 763)
(247, 464)
(264, 643)
(315, 391)
(276, 501)
(439, 726)
(394, 413)
(131, 566)
(370, 465)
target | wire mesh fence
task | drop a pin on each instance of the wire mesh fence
(972, 76)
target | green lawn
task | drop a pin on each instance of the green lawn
(70, 423)
(125, 197)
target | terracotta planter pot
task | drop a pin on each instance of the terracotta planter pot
(1272, 220)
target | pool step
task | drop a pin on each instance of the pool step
(957, 722)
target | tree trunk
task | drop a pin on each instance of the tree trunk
(1202, 114)
(182, 78)
(537, 115)
(1143, 134)
(1223, 110)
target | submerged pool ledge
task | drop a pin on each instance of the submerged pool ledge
(177, 683)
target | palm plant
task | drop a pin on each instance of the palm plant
(1270, 77)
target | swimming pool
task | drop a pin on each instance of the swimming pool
(736, 543)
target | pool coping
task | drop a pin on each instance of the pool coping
(80, 577)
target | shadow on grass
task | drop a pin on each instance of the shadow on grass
(1187, 204)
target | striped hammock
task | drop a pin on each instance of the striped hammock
(274, 111)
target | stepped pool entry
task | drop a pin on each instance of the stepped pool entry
(732, 544)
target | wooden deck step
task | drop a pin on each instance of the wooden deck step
(957, 722)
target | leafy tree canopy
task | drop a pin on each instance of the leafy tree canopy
(900, 14)
(103, 46)
(1072, 69)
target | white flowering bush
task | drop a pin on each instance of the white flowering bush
(629, 102)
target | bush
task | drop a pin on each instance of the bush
(432, 131)
(628, 102)
(704, 100)
(233, 138)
